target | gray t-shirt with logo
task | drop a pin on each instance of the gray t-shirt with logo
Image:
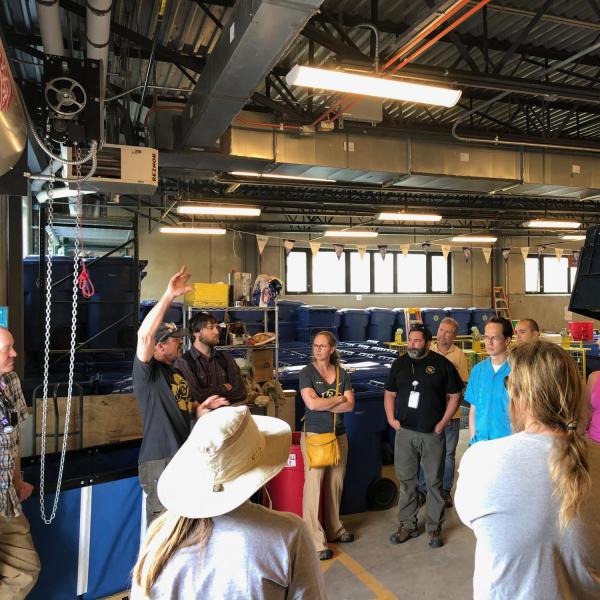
(321, 421)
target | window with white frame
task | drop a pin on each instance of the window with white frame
(415, 273)
(549, 275)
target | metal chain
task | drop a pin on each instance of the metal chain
(48, 520)
(49, 256)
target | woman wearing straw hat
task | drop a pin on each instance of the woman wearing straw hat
(211, 542)
(327, 393)
(532, 498)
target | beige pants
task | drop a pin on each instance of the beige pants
(19, 562)
(333, 480)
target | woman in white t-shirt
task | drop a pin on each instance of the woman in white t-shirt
(532, 498)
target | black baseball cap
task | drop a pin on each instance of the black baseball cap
(168, 330)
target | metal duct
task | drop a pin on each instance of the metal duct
(49, 19)
(257, 35)
(98, 34)
(13, 128)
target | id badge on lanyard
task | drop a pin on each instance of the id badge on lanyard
(413, 397)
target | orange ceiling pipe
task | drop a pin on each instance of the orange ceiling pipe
(420, 36)
(425, 32)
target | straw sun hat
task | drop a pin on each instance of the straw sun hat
(228, 456)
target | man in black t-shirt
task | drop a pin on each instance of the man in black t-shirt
(421, 396)
(166, 405)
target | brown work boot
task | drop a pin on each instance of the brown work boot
(435, 538)
(403, 534)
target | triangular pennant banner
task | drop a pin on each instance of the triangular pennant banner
(339, 249)
(467, 253)
(361, 251)
(505, 254)
(288, 245)
(261, 240)
(445, 251)
(405, 248)
(525, 252)
(487, 252)
(559, 253)
(382, 251)
(314, 247)
(426, 246)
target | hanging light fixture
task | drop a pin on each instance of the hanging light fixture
(218, 210)
(194, 230)
(552, 224)
(354, 233)
(484, 239)
(407, 216)
(378, 87)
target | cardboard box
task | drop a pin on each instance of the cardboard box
(262, 363)
(287, 410)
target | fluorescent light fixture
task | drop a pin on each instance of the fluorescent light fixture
(485, 239)
(354, 233)
(573, 237)
(546, 224)
(225, 211)
(406, 216)
(194, 230)
(365, 85)
(276, 176)
(245, 173)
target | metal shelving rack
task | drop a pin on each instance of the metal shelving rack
(266, 310)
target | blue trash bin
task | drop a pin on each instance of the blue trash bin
(364, 427)
(480, 316)
(354, 322)
(462, 316)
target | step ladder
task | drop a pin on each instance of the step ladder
(501, 303)
(412, 316)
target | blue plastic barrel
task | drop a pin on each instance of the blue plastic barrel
(381, 324)
(364, 427)
(354, 324)
(288, 309)
(432, 317)
(462, 316)
(480, 316)
(287, 331)
(247, 316)
(316, 316)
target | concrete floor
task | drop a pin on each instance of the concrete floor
(372, 567)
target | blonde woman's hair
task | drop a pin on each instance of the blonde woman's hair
(167, 534)
(545, 385)
(334, 359)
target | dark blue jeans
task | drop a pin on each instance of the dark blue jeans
(452, 432)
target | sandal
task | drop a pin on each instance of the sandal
(345, 538)
(326, 554)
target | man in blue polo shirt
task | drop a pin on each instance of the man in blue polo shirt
(486, 391)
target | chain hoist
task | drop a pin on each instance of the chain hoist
(48, 519)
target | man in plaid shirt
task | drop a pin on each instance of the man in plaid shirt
(19, 562)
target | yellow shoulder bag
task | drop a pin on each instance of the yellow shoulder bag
(322, 449)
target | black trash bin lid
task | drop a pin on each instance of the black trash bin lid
(382, 494)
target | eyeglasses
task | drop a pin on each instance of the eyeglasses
(321, 346)
(492, 338)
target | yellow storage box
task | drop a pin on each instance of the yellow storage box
(208, 294)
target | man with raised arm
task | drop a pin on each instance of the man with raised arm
(166, 405)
